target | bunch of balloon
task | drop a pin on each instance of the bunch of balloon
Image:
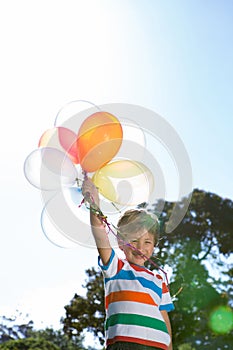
(63, 157)
(57, 165)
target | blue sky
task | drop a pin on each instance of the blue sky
(173, 57)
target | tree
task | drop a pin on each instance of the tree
(11, 330)
(202, 239)
(58, 338)
(28, 344)
(204, 236)
(24, 336)
(87, 312)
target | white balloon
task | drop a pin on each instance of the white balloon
(64, 221)
(49, 169)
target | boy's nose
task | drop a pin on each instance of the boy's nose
(139, 245)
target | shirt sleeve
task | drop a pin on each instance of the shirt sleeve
(166, 300)
(112, 268)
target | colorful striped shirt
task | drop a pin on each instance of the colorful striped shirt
(134, 297)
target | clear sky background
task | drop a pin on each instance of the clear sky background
(174, 57)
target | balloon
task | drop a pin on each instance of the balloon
(133, 135)
(52, 233)
(125, 182)
(62, 139)
(73, 114)
(49, 169)
(99, 139)
(64, 222)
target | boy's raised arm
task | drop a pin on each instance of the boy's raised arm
(98, 227)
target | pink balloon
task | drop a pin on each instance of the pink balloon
(62, 139)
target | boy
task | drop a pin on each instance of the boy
(137, 301)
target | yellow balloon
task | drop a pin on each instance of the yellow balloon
(125, 182)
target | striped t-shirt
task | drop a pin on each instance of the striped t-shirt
(134, 297)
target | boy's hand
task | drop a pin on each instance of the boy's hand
(90, 192)
(98, 227)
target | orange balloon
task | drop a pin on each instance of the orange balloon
(99, 139)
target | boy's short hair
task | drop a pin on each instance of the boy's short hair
(134, 220)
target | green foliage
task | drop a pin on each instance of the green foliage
(204, 235)
(87, 312)
(58, 338)
(28, 344)
(10, 330)
(186, 346)
(23, 336)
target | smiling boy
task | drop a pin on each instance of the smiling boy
(137, 300)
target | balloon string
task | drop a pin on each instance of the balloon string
(96, 211)
(178, 292)
(103, 218)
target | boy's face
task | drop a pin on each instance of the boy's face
(143, 242)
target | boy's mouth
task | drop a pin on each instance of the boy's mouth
(138, 255)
